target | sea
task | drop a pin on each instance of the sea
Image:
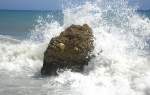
(120, 31)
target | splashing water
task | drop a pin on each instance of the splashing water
(121, 69)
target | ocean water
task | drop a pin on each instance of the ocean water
(119, 30)
(19, 24)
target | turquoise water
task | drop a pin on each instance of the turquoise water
(145, 13)
(20, 23)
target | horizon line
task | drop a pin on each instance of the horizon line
(51, 10)
(29, 10)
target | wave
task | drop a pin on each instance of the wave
(4, 39)
(121, 69)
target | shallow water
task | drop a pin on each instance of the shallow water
(121, 69)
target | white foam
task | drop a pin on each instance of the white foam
(121, 69)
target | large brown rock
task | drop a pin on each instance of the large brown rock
(69, 50)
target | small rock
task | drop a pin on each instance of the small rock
(61, 46)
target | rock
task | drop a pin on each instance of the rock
(69, 50)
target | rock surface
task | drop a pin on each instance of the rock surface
(69, 50)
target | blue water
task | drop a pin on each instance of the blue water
(19, 24)
(145, 13)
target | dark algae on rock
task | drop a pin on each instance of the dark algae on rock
(69, 50)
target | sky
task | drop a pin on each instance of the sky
(142, 4)
(53, 4)
(30, 4)
(145, 4)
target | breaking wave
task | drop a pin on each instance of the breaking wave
(123, 36)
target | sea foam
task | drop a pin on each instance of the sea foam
(122, 68)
